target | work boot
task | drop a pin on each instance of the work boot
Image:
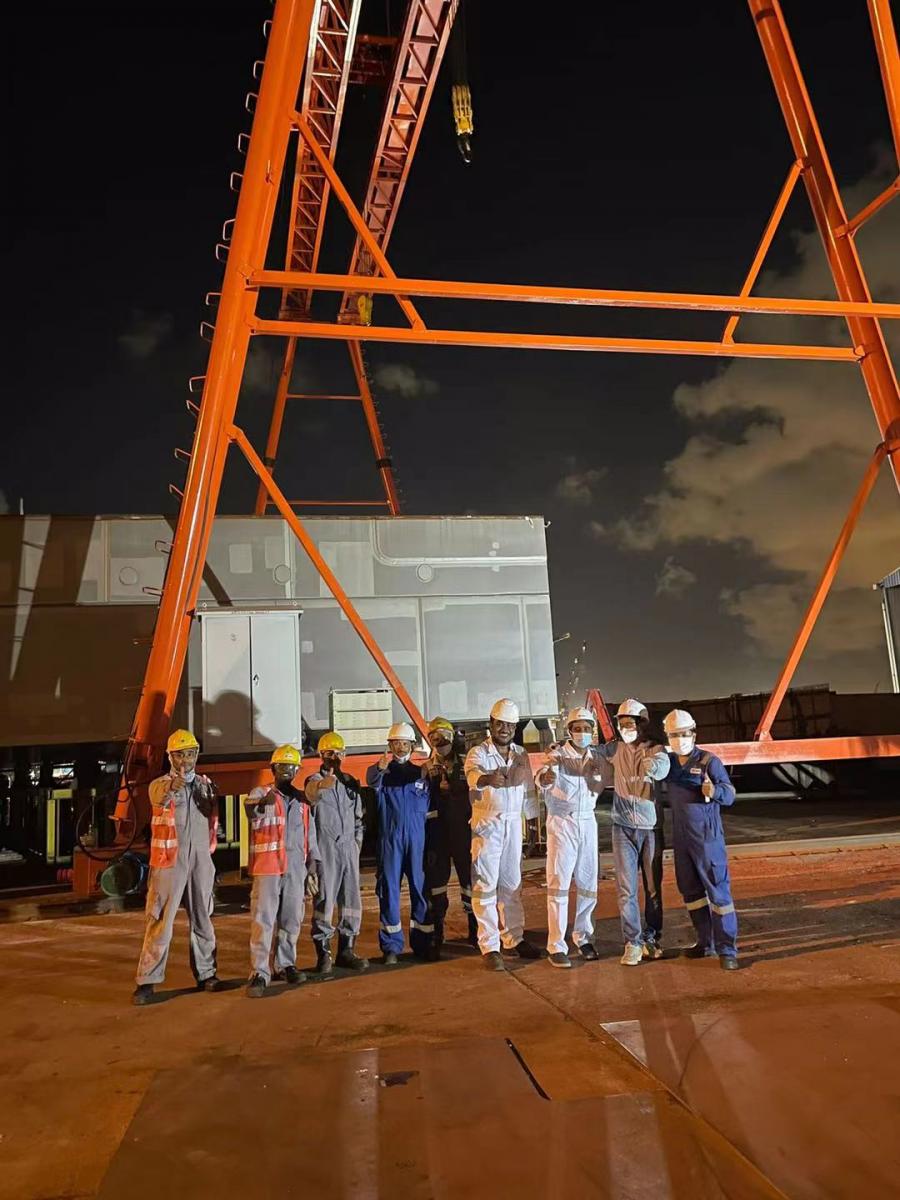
(389, 958)
(324, 961)
(212, 984)
(256, 987)
(697, 951)
(728, 962)
(493, 961)
(291, 976)
(434, 950)
(588, 952)
(632, 956)
(473, 930)
(559, 960)
(526, 950)
(652, 950)
(347, 956)
(142, 994)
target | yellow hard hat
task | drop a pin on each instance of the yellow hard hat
(286, 754)
(441, 723)
(330, 741)
(182, 739)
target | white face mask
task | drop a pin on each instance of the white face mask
(682, 744)
(188, 776)
(628, 735)
(581, 740)
(402, 758)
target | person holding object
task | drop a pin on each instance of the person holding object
(338, 815)
(284, 867)
(638, 762)
(402, 794)
(448, 835)
(569, 784)
(183, 822)
(501, 786)
(698, 789)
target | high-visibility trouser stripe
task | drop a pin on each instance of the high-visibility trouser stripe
(465, 892)
(266, 846)
(163, 844)
(480, 897)
(391, 928)
(558, 893)
(703, 902)
(351, 912)
(439, 891)
(429, 816)
(722, 909)
(585, 895)
(423, 928)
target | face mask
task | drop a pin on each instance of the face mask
(581, 740)
(443, 749)
(401, 758)
(628, 735)
(188, 776)
(683, 744)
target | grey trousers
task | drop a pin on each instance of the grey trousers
(191, 880)
(338, 886)
(276, 914)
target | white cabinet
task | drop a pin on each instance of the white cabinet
(251, 680)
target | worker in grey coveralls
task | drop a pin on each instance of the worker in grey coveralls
(284, 866)
(338, 809)
(184, 817)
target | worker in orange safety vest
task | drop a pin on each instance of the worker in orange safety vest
(184, 817)
(284, 866)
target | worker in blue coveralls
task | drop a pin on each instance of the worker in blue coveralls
(698, 787)
(402, 791)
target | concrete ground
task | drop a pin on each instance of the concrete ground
(672, 1079)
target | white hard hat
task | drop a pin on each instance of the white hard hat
(505, 710)
(678, 718)
(580, 714)
(401, 732)
(631, 708)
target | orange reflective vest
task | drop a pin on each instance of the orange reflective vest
(163, 832)
(267, 853)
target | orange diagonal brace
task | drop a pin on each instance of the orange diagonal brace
(889, 61)
(874, 206)
(382, 459)
(356, 218)
(296, 525)
(763, 730)
(281, 395)
(762, 250)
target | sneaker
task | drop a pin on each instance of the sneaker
(212, 984)
(493, 961)
(588, 952)
(256, 987)
(526, 950)
(728, 962)
(697, 951)
(560, 960)
(632, 956)
(142, 994)
(389, 958)
(652, 950)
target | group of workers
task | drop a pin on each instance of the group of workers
(454, 809)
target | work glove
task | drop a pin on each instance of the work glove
(708, 789)
(312, 885)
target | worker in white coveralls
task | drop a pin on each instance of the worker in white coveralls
(284, 866)
(338, 810)
(183, 822)
(501, 785)
(569, 783)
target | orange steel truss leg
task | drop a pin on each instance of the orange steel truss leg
(830, 216)
(889, 62)
(282, 392)
(299, 531)
(382, 459)
(288, 40)
(763, 730)
(771, 229)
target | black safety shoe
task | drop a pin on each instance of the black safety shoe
(348, 958)
(212, 984)
(389, 958)
(324, 961)
(697, 951)
(588, 952)
(493, 961)
(526, 950)
(142, 994)
(291, 976)
(728, 962)
(473, 930)
(256, 987)
(559, 960)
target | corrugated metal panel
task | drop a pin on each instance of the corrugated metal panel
(890, 581)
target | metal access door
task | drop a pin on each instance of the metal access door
(251, 680)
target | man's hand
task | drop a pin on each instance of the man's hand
(312, 884)
(492, 779)
(709, 788)
(384, 761)
(547, 776)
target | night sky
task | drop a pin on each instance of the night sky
(691, 502)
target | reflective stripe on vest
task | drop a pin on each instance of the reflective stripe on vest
(268, 855)
(164, 832)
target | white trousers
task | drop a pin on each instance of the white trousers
(497, 882)
(571, 858)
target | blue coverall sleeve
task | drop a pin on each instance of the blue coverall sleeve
(607, 750)
(374, 775)
(724, 793)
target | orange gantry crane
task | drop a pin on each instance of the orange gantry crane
(301, 94)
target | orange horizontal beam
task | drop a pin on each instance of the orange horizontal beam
(549, 341)
(337, 503)
(318, 396)
(597, 297)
